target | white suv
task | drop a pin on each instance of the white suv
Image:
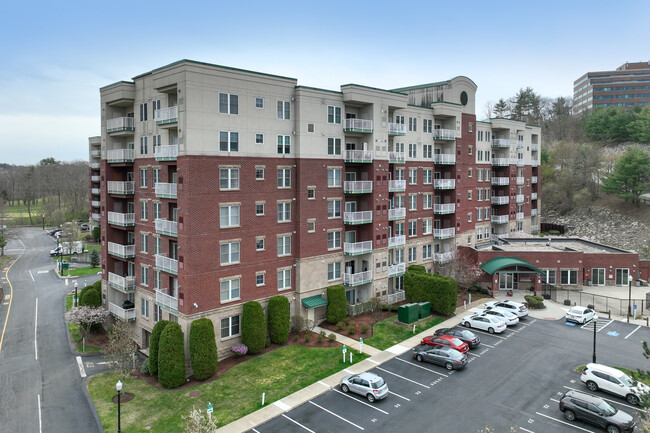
(515, 307)
(598, 376)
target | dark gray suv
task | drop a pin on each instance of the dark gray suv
(594, 410)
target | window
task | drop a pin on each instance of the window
(479, 174)
(157, 210)
(427, 125)
(413, 202)
(487, 174)
(333, 177)
(260, 278)
(155, 105)
(229, 253)
(229, 178)
(144, 307)
(334, 208)
(334, 240)
(230, 290)
(143, 112)
(399, 120)
(427, 226)
(229, 216)
(469, 194)
(469, 150)
(311, 127)
(479, 136)
(427, 176)
(259, 173)
(157, 279)
(413, 150)
(143, 145)
(157, 245)
(479, 234)
(413, 124)
(228, 141)
(259, 138)
(144, 242)
(413, 176)
(412, 254)
(259, 102)
(284, 245)
(311, 193)
(427, 151)
(487, 138)
(284, 110)
(156, 176)
(228, 104)
(333, 271)
(143, 178)
(413, 228)
(284, 177)
(333, 146)
(479, 194)
(284, 212)
(469, 217)
(284, 144)
(259, 209)
(230, 327)
(144, 275)
(471, 127)
(426, 251)
(427, 200)
(157, 313)
(548, 277)
(284, 279)
(469, 172)
(569, 277)
(144, 210)
(333, 114)
(311, 226)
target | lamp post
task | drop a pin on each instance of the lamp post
(76, 302)
(43, 222)
(593, 357)
(118, 386)
(629, 298)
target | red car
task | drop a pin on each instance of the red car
(447, 341)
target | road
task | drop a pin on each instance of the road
(42, 388)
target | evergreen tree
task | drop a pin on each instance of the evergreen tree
(501, 109)
(631, 176)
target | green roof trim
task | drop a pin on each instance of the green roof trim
(318, 89)
(498, 263)
(314, 301)
(178, 62)
(116, 83)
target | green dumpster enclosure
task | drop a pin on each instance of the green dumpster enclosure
(408, 313)
(425, 309)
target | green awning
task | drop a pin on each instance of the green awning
(498, 263)
(314, 301)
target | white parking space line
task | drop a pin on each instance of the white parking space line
(632, 332)
(605, 325)
(526, 430)
(552, 399)
(565, 423)
(487, 345)
(338, 416)
(35, 330)
(42, 272)
(423, 368)
(404, 378)
(255, 430)
(285, 407)
(603, 398)
(40, 420)
(298, 424)
(30, 274)
(487, 333)
(473, 354)
(82, 372)
(359, 401)
(400, 396)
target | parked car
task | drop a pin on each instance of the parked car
(580, 314)
(507, 316)
(84, 227)
(55, 232)
(446, 341)
(366, 384)
(598, 376)
(450, 358)
(489, 324)
(464, 335)
(597, 411)
(516, 307)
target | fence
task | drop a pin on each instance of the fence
(368, 306)
(601, 303)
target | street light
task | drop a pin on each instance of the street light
(593, 358)
(629, 298)
(118, 386)
(43, 222)
(76, 302)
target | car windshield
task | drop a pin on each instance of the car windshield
(575, 310)
(607, 409)
(377, 383)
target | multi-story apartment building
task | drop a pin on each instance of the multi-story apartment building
(221, 186)
(94, 158)
(628, 86)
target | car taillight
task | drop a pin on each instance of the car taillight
(375, 390)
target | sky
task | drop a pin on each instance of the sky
(56, 55)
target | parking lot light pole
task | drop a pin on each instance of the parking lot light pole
(118, 386)
(43, 222)
(629, 298)
(593, 358)
(76, 302)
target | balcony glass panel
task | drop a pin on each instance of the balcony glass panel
(396, 269)
(355, 248)
(396, 185)
(500, 199)
(166, 190)
(396, 241)
(167, 264)
(444, 208)
(120, 124)
(166, 301)
(444, 183)
(500, 142)
(444, 158)
(443, 257)
(115, 310)
(119, 187)
(444, 233)
(363, 217)
(357, 186)
(499, 219)
(120, 282)
(398, 213)
(358, 125)
(358, 156)
(500, 181)
(166, 115)
(396, 157)
(357, 279)
(165, 227)
(120, 155)
(123, 251)
(166, 153)
(444, 134)
(397, 129)
(121, 219)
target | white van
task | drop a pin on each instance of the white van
(598, 376)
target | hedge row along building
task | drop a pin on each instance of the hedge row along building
(220, 186)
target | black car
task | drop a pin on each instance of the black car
(597, 411)
(450, 358)
(463, 335)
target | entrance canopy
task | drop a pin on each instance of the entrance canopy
(520, 266)
(314, 301)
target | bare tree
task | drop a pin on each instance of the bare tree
(121, 348)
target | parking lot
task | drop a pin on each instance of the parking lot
(514, 379)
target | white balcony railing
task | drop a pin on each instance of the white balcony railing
(533, 179)
(520, 198)
(396, 157)
(120, 155)
(397, 128)
(95, 153)
(520, 144)
(95, 178)
(95, 216)
(119, 250)
(167, 264)
(95, 191)
(444, 134)
(444, 183)
(520, 163)
(444, 158)
(534, 147)
(533, 196)
(444, 208)
(95, 203)
(500, 162)
(396, 241)
(120, 312)
(356, 248)
(357, 186)
(501, 199)
(166, 227)
(358, 125)
(443, 257)
(95, 166)
(358, 156)
(520, 180)
(362, 217)
(519, 216)
(533, 212)
(166, 115)
(166, 190)
(534, 228)
(120, 282)
(398, 213)
(499, 219)
(358, 278)
(396, 185)
(394, 298)
(121, 219)
(166, 153)
(120, 124)
(119, 187)
(500, 142)
(444, 233)
(534, 163)
(396, 269)
(165, 300)
(500, 181)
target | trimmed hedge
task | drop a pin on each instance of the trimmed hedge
(535, 302)
(91, 298)
(253, 327)
(337, 308)
(441, 292)
(417, 268)
(153, 346)
(171, 356)
(203, 349)
(279, 319)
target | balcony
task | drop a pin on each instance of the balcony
(120, 124)
(95, 203)
(396, 241)
(444, 208)
(166, 190)
(396, 214)
(354, 218)
(534, 147)
(500, 162)
(533, 196)
(444, 233)
(164, 116)
(166, 301)
(533, 179)
(95, 153)
(94, 166)
(358, 125)
(533, 212)
(443, 257)
(166, 264)
(95, 178)
(520, 180)
(128, 314)
(501, 181)
(95, 191)
(519, 216)
(357, 279)
(444, 134)
(396, 157)
(121, 219)
(119, 187)
(444, 158)
(534, 229)
(499, 219)
(122, 251)
(534, 163)
(95, 217)
(165, 227)
(500, 142)
(500, 199)
(396, 185)
(357, 186)
(358, 156)
(397, 269)
(520, 163)
(125, 284)
(357, 248)
(116, 156)
(396, 129)
(166, 153)
(520, 144)
(519, 198)
(444, 183)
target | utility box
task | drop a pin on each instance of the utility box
(425, 309)
(408, 313)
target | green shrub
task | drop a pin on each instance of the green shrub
(340, 325)
(203, 349)
(441, 292)
(91, 298)
(83, 291)
(94, 259)
(279, 319)
(534, 303)
(323, 333)
(295, 337)
(308, 336)
(539, 298)
(96, 234)
(144, 367)
(331, 337)
(394, 307)
(321, 337)
(418, 269)
(364, 329)
(347, 321)
(253, 327)
(171, 356)
(352, 329)
(97, 284)
(337, 307)
(297, 323)
(153, 346)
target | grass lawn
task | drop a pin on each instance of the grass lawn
(20, 211)
(387, 333)
(75, 332)
(82, 272)
(234, 394)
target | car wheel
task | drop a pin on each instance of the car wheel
(568, 414)
(371, 398)
(613, 429)
(419, 358)
(448, 366)
(593, 386)
(491, 330)
(344, 388)
(466, 325)
(632, 399)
